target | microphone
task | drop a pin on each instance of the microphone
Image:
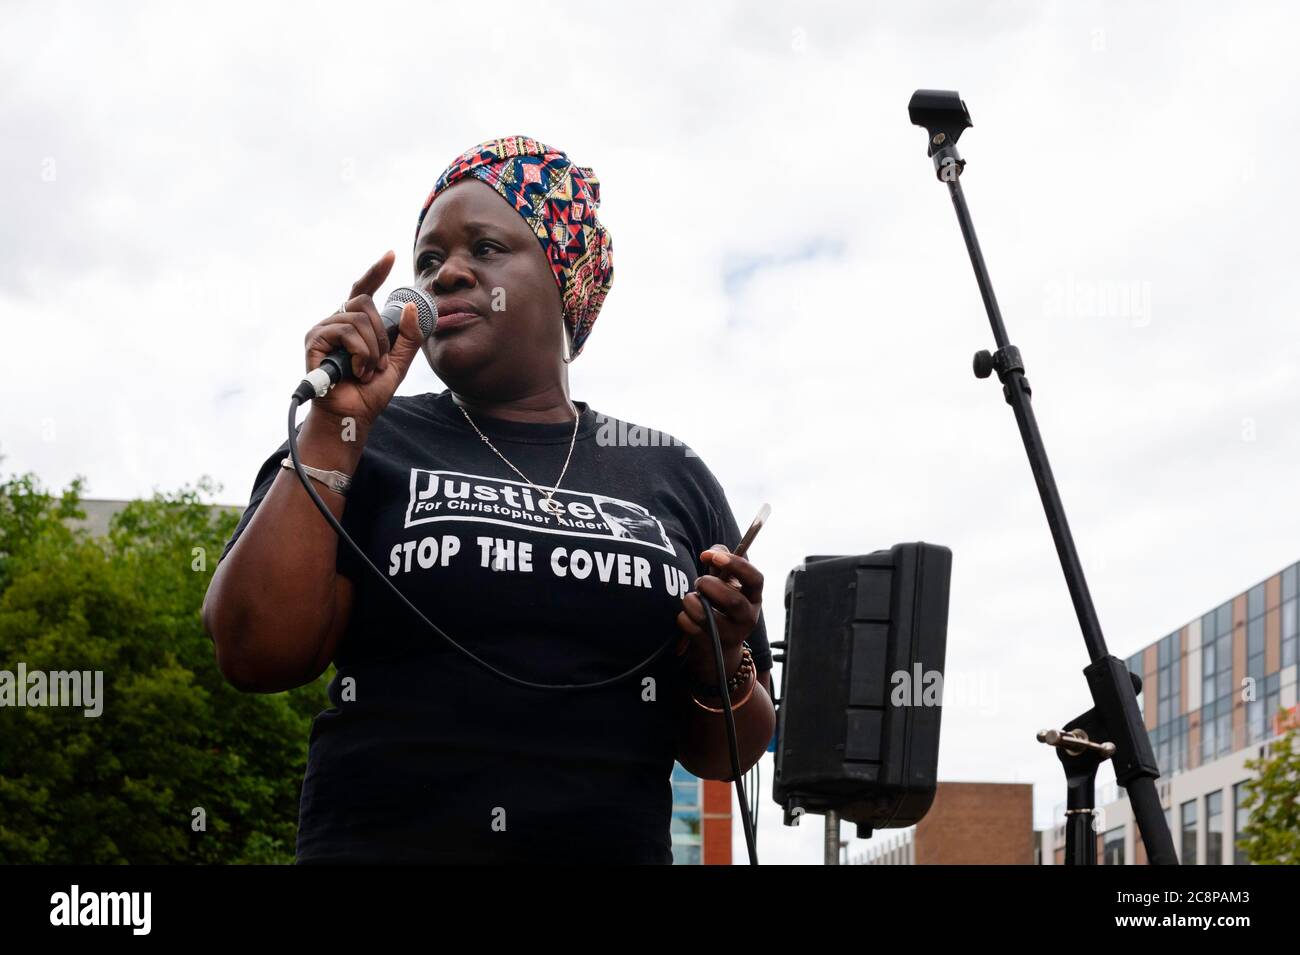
(337, 365)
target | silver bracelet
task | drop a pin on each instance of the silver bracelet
(334, 480)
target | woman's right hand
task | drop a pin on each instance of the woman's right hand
(377, 369)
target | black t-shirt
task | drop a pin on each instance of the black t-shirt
(424, 755)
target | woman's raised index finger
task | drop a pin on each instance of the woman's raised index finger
(369, 283)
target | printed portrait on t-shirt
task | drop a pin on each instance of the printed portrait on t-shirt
(630, 521)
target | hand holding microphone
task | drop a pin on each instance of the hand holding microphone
(357, 357)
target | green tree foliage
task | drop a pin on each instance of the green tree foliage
(1272, 836)
(173, 737)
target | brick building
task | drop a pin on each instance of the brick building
(968, 824)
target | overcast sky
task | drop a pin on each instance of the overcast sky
(186, 190)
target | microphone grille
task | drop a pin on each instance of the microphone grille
(424, 304)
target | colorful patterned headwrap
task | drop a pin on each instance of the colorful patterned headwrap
(558, 200)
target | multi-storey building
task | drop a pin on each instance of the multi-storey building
(1214, 692)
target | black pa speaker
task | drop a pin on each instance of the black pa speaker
(861, 686)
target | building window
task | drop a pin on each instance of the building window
(1188, 856)
(1170, 681)
(1182, 751)
(685, 828)
(1255, 670)
(1272, 702)
(686, 795)
(1287, 689)
(1113, 847)
(1224, 729)
(686, 854)
(1208, 670)
(1288, 632)
(1255, 602)
(1254, 720)
(1216, 729)
(1255, 637)
(1209, 723)
(1214, 828)
(1223, 619)
(1241, 816)
(686, 822)
(1255, 666)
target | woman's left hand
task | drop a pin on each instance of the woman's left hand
(737, 598)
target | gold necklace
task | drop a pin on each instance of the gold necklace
(547, 502)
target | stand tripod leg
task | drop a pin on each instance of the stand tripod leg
(1080, 840)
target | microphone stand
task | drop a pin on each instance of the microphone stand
(1114, 717)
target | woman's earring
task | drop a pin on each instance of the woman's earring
(568, 346)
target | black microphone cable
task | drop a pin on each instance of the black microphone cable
(732, 743)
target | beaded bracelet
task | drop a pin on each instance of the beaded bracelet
(744, 672)
(737, 678)
(734, 706)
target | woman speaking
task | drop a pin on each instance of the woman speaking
(530, 528)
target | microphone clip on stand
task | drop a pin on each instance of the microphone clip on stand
(1113, 727)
